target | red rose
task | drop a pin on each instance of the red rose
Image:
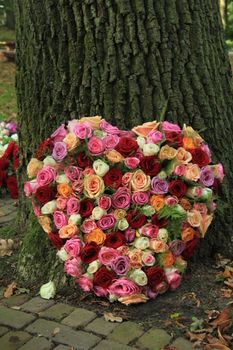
(86, 207)
(158, 222)
(89, 252)
(199, 157)
(150, 165)
(177, 188)
(190, 247)
(135, 219)
(103, 277)
(12, 186)
(113, 178)
(15, 163)
(83, 160)
(2, 177)
(9, 150)
(127, 146)
(44, 148)
(155, 275)
(114, 240)
(16, 151)
(3, 163)
(55, 240)
(175, 139)
(45, 194)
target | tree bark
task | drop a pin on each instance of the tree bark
(128, 61)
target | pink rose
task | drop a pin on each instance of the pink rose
(82, 130)
(109, 128)
(88, 171)
(77, 186)
(126, 178)
(73, 206)
(149, 230)
(73, 173)
(36, 210)
(201, 207)
(140, 198)
(132, 162)
(106, 222)
(148, 259)
(100, 291)
(59, 134)
(95, 146)
(173, 278)
(88, 225)
(73, 247)
(170, 127)
(46, 175)
(154, 136)
(107, 255)
(85, 283)
(127, 133)
(110, 142)
(61, 203)
(104, 202)
(59, 219)
(130, 234)
(123, 287)
(121, 198)
(59, 151)
(170, 201)
(30, 187)
(73, 267)
(179, 170)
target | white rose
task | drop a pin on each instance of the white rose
(62, 254)
(49, 161)
(162, 175)
(100, 167)
(14, 137)
(97, 213)
(141, 141)
(142, 243)
(150, 149)
(49, 207)
(122, 224)
(62, 179)
(48, 290)
(75, 219)
(139, 277)
(93, 267)
(163, 235)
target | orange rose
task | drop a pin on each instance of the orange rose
(97, 236)
(157, 202)
(94, 121)
(192, 172)
(93, 186)
(189, 132)
(158, 246)
(188, 142)
(146, 128)
(135, 257)
(114, 156)
(167, 152)
(64, 190)
(185, 204)
(183, 156)
(187, 234)
(167, 259)
(140, 182)
(205, 223)
(45, 223)
(71, 141)
(68, 231)
(194, 218)
(33, 167)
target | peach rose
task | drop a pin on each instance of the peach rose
(187, 234)
(167, 152)
(119, 213)
(93, 121)
(71, 141)
(33, 167)
(114, 157)
(140, 182)
(167, 259)
(194, 218)
(146, 128)
(157, 202)
(64, 190)
(192, 172)
(158, 246)
(97, 236)
(93, 186)
(68, 231)
(45, 223)
(135, 257)
(205, 223)
(183, 156)
(185, 204)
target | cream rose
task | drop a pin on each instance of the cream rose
(167, 152)
(192, 172)
(33, 167)
(49, 207)
(101, 168)
(140, 182)
(150, 149)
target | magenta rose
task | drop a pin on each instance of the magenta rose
(110, 142)
(170, 127)
(46, 175)
(95, 146)
(82, 130)
(173, 279)
(106, 222)
(88, 225)
(149, 230)
(73, 206)
(123, 287)
(207, 176)
(73, 267)
(109, 128)
(107, 255)
(59, 219)
(59, 134)
(154, 136)
(132, 162)
(73, 173)
(73, 247)
(179, 170)
(177, 247)
(59, 151)
(130, 234)
(140, 198)
(85, 283)
(121, 198)
(104, 202)
(30, 187)
(121, 265)
(159, 186)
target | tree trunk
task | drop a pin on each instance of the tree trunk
(127, 61)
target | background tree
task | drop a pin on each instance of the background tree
(126, 61)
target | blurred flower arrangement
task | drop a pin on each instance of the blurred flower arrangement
(125, 209)
(9, 159)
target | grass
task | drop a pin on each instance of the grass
(8, 107)
(7, 34)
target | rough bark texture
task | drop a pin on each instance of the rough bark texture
(126, 61)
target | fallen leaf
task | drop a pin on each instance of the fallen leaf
(216, 346)
(193, 337)
(223, 320)
(192, 296)
(16, 307)
(221, 338)
(226, 293)
(228, 272)
(10, 290)
(6, 247)
(56, 331)
(133, 299)
(108, 316)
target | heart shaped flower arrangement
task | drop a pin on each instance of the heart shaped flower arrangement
(125, 209)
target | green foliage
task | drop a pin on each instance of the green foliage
(176, 212)
(229, 25)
